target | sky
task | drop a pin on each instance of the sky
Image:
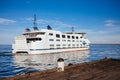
(100, 19)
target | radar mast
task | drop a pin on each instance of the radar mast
(35, 24)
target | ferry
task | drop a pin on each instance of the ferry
(49, 41)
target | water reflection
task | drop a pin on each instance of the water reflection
(47, 61)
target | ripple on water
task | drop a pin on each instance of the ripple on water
(11, 65)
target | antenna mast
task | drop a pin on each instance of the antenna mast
(72, 29)
(35, 25)
(35, 20)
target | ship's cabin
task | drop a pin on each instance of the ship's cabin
(80, 33)
(33, 34)
(33, 39)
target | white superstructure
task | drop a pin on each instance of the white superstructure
(49, 41)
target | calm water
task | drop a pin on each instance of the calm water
(11, 65)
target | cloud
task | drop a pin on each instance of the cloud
(111, 23)
(29, 19)
(53, 22)
(59, 23)
(43, 21)
(39, 21)
(112, 26)
(106, 39)
(6, 21)
(56, 24)
(95, 32)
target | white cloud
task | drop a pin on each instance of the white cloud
(105, 39)
(94, 32)
(111, 23)
(29, 19)
(112, 26)
(6, 21)
(59, 23)
(42, 21)
(54, 23)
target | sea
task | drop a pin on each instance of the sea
(11, 65)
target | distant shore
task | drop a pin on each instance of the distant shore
(105, 69)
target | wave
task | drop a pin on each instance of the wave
(6, 53)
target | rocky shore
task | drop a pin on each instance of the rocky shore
(105, 69)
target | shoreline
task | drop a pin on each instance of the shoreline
(105, 69)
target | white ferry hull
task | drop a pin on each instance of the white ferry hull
(49, 51)
(56, 50)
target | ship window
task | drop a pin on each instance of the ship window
(69, 45)
(42, 33)
(72, 37)
(63, 40)
(68, 36)
(64, 44)
(64, 47)
(68, 40)
(51, 46)
(34, 39)
(73, 45)
(33, 35)
(57, 35)
(63, 36)
(39, 38)
(58, 44)
(57, 39)
(51, 34)
(51, 39)
(76, 37)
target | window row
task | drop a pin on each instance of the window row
(65, 36)
(65, 40)
(58, 45)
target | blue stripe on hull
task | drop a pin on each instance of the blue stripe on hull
(54, 49)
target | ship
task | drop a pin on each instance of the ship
(49, 41)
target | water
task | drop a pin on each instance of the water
(11, 65)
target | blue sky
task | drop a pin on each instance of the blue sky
(100, 19)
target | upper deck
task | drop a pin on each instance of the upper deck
(42, 32)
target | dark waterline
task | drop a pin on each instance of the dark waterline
(11, 65)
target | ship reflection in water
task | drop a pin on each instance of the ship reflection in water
(48, 61)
